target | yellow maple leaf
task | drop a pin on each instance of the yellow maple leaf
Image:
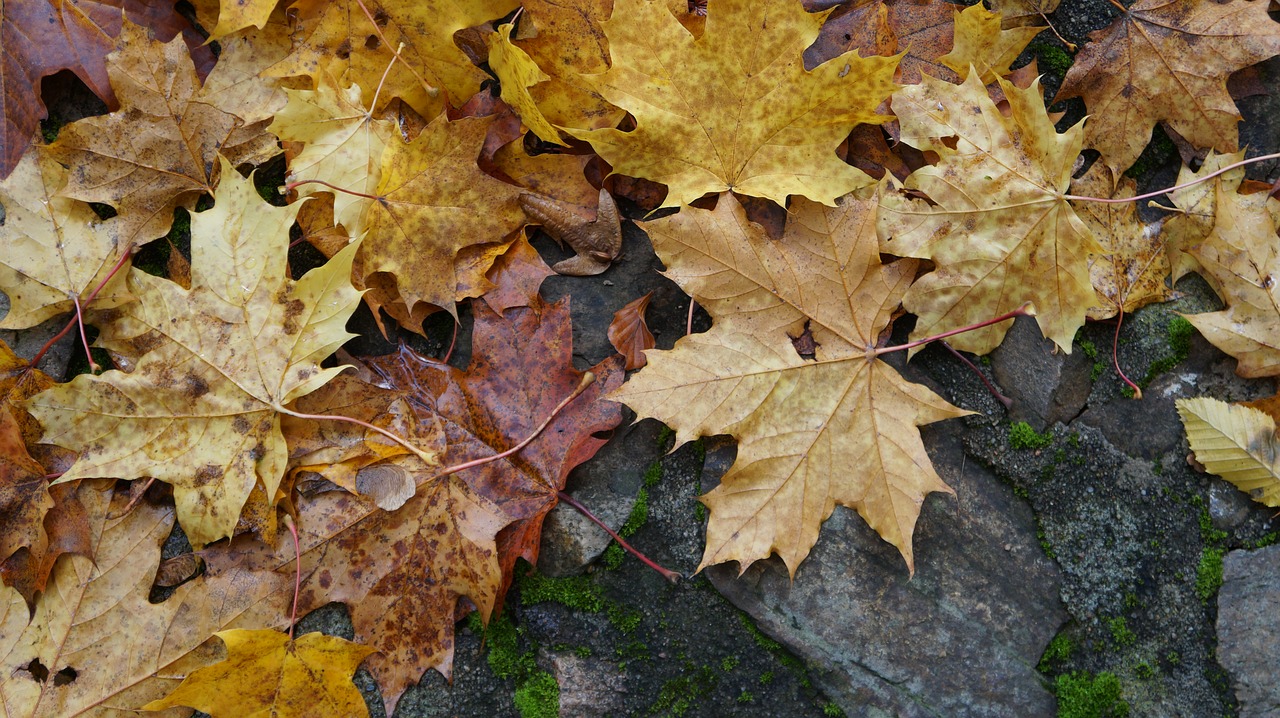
(1131, 273)
(981, 44)
(157, 152)
(267, 673)
(236, 86)
(1235, 442)
(201, 409)
(1242, 257)
(56, 249)
(433, 201)
(339, 38)
(734, 109)
(565, 38)
(811, 434)
(236, 15)
(999, 227)
(1168, 60)
(344, 146)
(517, 72)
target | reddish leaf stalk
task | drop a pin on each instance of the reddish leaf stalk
(428, 458)
(1184, 185)
(671, 576)
(84, 340)
(1019, 312)
(688, 327)
(1008, 403)
(124, 256)
(1115, 358)
(587, 380)
(431, 89)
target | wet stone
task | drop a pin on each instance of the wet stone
(1248, 626)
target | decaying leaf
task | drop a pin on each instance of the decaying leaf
(982, 44)
(56, 249)
(218, 363)
(799, 424)
(998, 227)
(1242, 255)
(1132, 272)
(159, 150)
(597, 242)
(358, 44)
(267, 673)
(566, 38)
(1235, 442)
(629, 334)
(734, 109)
(1168, 60)
(517, 72)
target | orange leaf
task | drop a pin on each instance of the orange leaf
(629, 334)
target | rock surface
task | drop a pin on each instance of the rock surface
(960, 638)
(1248, 626)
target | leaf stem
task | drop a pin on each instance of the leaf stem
(431, 89)
(428, 458)
(84, 340)
(1115, 356)
(291, 185)
(1021, 311)
(668, 574)
(124, 256)
(688, 326)
(587, 380)
(1184, 185)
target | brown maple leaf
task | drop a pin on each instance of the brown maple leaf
(41, 37)
(159, 151)
(800, 424)
(1168, 60)
(629, 334)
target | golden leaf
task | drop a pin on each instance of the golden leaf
(1235, 442)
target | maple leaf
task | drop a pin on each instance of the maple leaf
(1131, 272)
(234, 15)
(432, 202)
(236, 87)
(344, 146)
(95, 624)
(799, 424)
(24, 494)
(58, 249)
(40, 37)
(1236, 442)
(734, 109)
(516, 73)
(981, 44)
(629, 334)
(998, 225)
(158, 151)
(1022, 12)
(201, 409)
(267, 673)
(490, 406)
(1168, 60)
(923, 30)
(1242, 256)
(341, 39)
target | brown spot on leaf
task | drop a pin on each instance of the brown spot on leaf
(208, 474)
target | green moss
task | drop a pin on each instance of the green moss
(678, 695)
(728, 663)
(1052, 59)
(624, 619)
(664, 435)
(746, 696)
(1083, 696)
(1266, 540)
(576, 592)
(1209, 574)
(766, 678)
(1173, 658)
(832, 710)
(1022, 436)
(1120, 632)
(1160, 150)
(1144, 671)
(505, 658)
(1089, 348)
(1058, 651)
(538, 697)
(761, 640)
(269, 179)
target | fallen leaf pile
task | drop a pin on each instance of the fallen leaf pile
(421, 139)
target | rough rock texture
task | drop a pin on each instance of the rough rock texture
(961, 638)
(1248, 626)
(589, 687)
(1047, 386)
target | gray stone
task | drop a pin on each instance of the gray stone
(1229, 507)
(606, 485)
(960, 638)
(1046, 386)
(1248, 628)
(589, 687)
(26, 342)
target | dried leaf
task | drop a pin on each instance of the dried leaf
(629, 334)
(267, 673)
(1168, 60)
(1235, 442)
(517, 72)
(980, 43)
(734, 109)
(201, 409)
(800, 424)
